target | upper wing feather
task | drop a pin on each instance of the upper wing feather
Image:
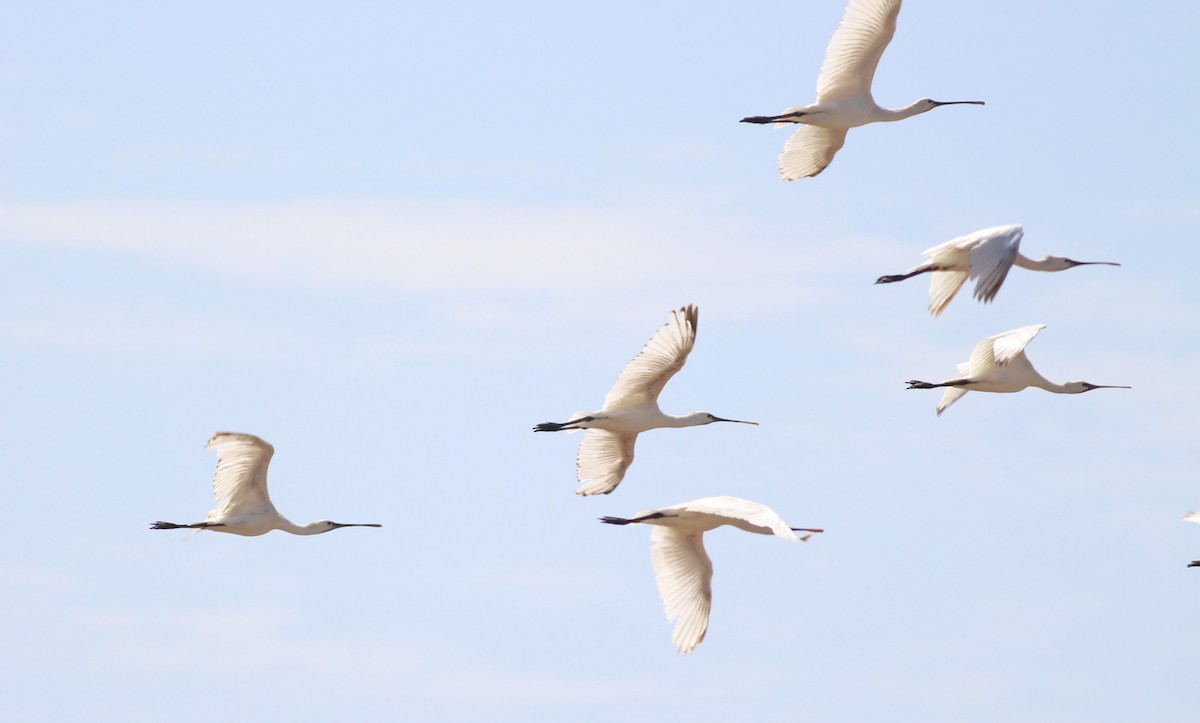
(240, 483)
(992, 257)
(855, 49)
(644, 377)
(809, 151)
(683, 574)
(736, 508)
(1008, 345)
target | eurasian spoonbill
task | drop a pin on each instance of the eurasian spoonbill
(631, 407)
(1193, 517)
(999, 364)
(844, 98)
(682, 569)
(986, 255)
(240, 489)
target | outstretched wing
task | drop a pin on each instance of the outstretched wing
(985, 255)
(736, 509)
(1006, 346)
(644, 377)
(809, 151)
(992, 256)
(683, 574)
(603, 458)
(240, 483)
(943, 285)
(855, 49)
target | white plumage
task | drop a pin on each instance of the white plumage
(631, 407)
(986, 256)
(682, 568)
(844, 98)
(240, 489)
(999, 364)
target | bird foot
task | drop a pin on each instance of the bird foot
(1194, 563)
(561, 426)
(890, 278)
(914, 384)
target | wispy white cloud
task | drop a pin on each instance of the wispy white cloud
(424, 246)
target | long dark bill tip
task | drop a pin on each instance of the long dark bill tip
(758, 119)
(959, 102)
(808, 529)
(357, 524)
(1194, 563)
(735, 421)
(615, 520)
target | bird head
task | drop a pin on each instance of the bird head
(1058, 263)
(331, 525)
(700, 418)
(935, 103)
(1081, 387)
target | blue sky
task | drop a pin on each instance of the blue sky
(391, 238)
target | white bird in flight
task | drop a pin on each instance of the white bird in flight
(986, 255)
(631, 407)
(240, 488)
(682, 569)
(844, 91)
(1193, 517)
(999, 364)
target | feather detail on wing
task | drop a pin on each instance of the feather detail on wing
(1005, 347)
(754, 514)
(602, 460)
(644, 377)
(943, 285)
(992, 258)
(809, 151)
(240, 482)
(683, 574)
(854, 51)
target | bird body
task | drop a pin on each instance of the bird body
(682, 568)
(844, 99)
(985, 255)
(998, 364)
(240, 489)
(631, 407)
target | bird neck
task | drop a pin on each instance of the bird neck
(1043, 383)
(695, 419)
(312, 528)
(916, 107)
(1047, 263)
